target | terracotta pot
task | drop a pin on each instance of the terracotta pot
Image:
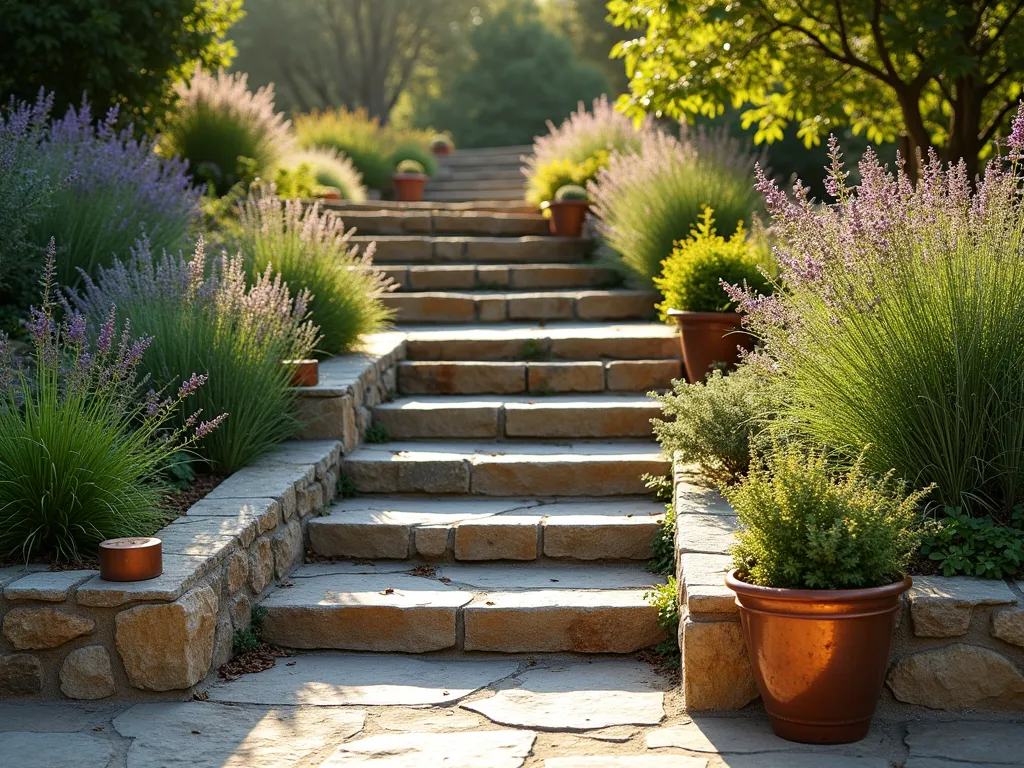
(441, 149)
(567, 217)
(305, 373)
(409, 186)
(708, 338)
(131, 559)
(819, 655)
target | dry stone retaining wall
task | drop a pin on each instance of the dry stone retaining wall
(959, 641)
(69, 634)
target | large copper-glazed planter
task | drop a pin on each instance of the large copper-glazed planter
(133, 559)
(708, 338)
(819, 656)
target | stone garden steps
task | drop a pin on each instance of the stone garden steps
(448, 196)
(435, 222)
(453, 377)
(489, 306)
(554, 341)
(470, 528)
(518, 416)
(442, 277)
(509, 608)
(422, 249)
(600, 468)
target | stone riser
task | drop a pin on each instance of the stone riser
(511, 172)
(468, 420)
(581, 348)
(469, 224)
(501, 378)
(480, 187)
(487, 250)
(496, 277)
(441, 307)
(517, 195)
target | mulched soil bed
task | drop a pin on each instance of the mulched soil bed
(263, 658)
(178, 502)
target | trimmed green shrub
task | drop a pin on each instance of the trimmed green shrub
(646, 202)
(410, 167)
(417, 153)
(207, 320)
(715, 423)
(693, 274)
(803, 526)
(312, 251)
(354, 135)
(295, 183)
(571, 192)
(226, 133)
(959, 544)
(330, 169)
(82, 445)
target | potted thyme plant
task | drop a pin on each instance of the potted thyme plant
(442, 145)
(818, 573)
(568, 210)
(408, 181)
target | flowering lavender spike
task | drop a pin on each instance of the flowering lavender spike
(1016, 139)
(206, 427)
(190, 386)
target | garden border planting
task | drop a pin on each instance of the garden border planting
(72, 633)
(959, 641)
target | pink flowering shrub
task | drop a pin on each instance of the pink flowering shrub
(84, 437)
(901, 326)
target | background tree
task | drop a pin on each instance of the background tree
(118, 52)
(351, 53)
(924, 71)
(585, 23)
(519, 75)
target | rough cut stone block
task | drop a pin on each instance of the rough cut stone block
(168, 647)
(593, 537)
(643, 375)
(180, 573)
(615, 305)
(704, 600)
(432, 541)
(580, 420)
(622, 347)
(717, 672)
(21, 674)
(48, 586)
(429, 378)
(241, 611)
(579, 376)
(494, 276)
(431, 307)
(958, 677)
(449, 249)
(440, 278)
(86, 674)
(441, 476)
(706, 534)
(438, 420)
(367, 536)
(286, 544)
(540, 306)
(942, 606)
(261, 565)
(35, 628)
(545, 477)
(492, 309)
(1008, 625)
(327, 418)
(505, 537)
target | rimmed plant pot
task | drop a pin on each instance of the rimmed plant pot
(441, 150)
(819, 655)
(408, 186)
(305, 373)
(567, 217)
(708, 338)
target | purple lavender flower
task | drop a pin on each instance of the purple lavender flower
(106, 337)
(206, 427)
(1016, 139)
(190, 386)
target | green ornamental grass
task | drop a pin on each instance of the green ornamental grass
(330, 169)
(82, 444)
(354, 135)
(312, 252)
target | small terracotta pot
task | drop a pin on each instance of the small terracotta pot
(409, 186)
(567, 217)
(305, 373)
(819, 655)
(708, 338)
(441, 149)
(133, 559)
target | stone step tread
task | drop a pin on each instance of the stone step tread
(472, 249)
(475, 173)
(468, 206)
(502, 306)
(468, 528)
(522, 402)
(497, 195)
(434, 277)
(434, 222)
(401, 608)
(448, 184)
(628, 340)
(570, 292)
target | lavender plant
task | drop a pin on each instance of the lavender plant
(312, 251)
(902, 323)
(648, 201)
(82, 442)
(575, 143)
(117, 190)
(227, 133)
(206, 319)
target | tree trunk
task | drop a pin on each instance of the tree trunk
(915, 138)
(965, 125)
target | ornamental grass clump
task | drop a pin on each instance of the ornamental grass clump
(330, 169)
(207, 319)
(355, 135)
(902, 323)
(646, 202)
(312, 251)
(227, 133)
(693, 274)
(84, 437)
(803, 525)
(574, 152)
(114, 190)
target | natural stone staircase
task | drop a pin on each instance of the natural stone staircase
(479, 174)
(508, 512)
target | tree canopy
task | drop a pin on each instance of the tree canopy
(124, 53)
(923, 71)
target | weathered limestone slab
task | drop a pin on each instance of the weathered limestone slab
(577, 376)
(1008, 625)
(204, 734)
(642, 375)
(627, 761)
(506, 537)
(440, 278)
(370, 681)
(48, 586)
(615, 305)
(213, 538)
(320, 454)
(286, 544)
(380, 612)
(705, 570)
(441, 378)
(39, 628)
(266, 511)
(706, 534)
(601, 529)
(968, 742)
(42, 750)
(180, 573)
(718, 672)
(581, 417)
(696, 499)
(943, 606)
(261, 564)
(168, 647)
(499, 577)
(21, 674)
(495, 749)
(439, 418)
(431, 307)
(237, 571)
(87, 674)
(710, 600)
(578, 697)
(958, 676)
(540, 306)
